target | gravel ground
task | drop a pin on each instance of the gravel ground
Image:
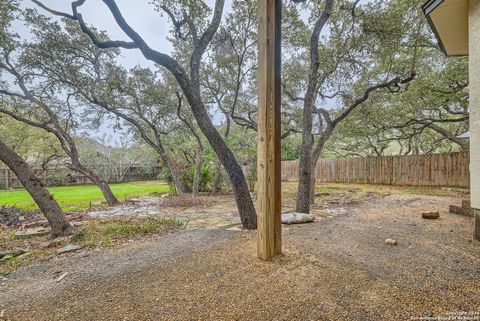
(338, 268)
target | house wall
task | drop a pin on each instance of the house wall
(474, 63)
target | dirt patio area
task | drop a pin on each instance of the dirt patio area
(337, 268)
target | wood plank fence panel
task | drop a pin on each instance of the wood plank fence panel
(449, 170)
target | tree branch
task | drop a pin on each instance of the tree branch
(394, 82)
(78, 17)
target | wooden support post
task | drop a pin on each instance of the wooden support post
(269, 228)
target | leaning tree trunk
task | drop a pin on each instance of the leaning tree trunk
(107, 192)
(196, 175)
(246, 210)
(243, 199)
(102, 185)
(45, 201)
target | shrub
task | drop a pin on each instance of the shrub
(251, 175)
(147, 173)
(206, 177)
(56, 177)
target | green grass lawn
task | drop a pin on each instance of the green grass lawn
(73, 198)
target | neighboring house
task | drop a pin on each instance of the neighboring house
(60, 175)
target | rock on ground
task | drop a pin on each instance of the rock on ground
(31, 233)
(296, 218)
(391, 242)
(431, 215)
(69, 248)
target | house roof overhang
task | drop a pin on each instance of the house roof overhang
(449, 21)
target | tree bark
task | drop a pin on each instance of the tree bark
(308, 183)
(304, 175)
(312, 186)
(45, 201)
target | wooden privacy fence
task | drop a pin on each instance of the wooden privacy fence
(449, 170)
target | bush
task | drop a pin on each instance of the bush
(206, 177)
(147, 173)
(56, 177)
(252, 175)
